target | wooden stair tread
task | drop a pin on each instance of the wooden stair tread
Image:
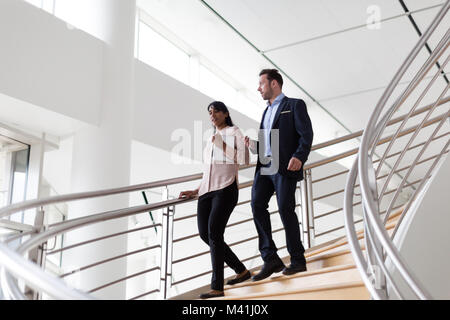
(322, 260)
(338, 251)
(301, 280)
(297, 275)
(342, 242)
(309, 289)
(329, 252)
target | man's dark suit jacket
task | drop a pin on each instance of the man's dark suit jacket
(295, 135)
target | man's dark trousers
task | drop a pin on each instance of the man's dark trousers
(263, 188)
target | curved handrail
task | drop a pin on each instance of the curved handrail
(379, 240)
(22, 268)
(21, 206)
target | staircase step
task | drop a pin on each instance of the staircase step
(338, 255)
(325, 260)
(331, 275)
(343, 243)
(351, 290)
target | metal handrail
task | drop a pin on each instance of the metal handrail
(110, 259)
(30, 204)
(102, 238)
(380, 142)
(422, 183)
(358, 134)
(70, 225)
(429, 85)
(379, 244)
(25, 269)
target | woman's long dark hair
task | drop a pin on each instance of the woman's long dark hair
(220, 106)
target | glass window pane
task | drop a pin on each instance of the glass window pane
(162, 55)
(18, 191)
(5, 170)
(216, 88)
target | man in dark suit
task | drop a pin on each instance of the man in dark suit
(284, 144)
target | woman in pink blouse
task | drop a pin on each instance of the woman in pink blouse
(218, 195)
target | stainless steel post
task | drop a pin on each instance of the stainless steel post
(377, 276)
(166, 246)
(169, 259)
(164, 240)
(37, 255)
(305, 216)
(298, 211)
(311, 230)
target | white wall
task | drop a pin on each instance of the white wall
(48, 64)
(423, 238)
(163, 105)
(58, 165)
(60, 69)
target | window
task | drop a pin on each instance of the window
(19, 180)
(14, 159)
(159, 53)
(213, 86)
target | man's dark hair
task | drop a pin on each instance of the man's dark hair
(273, 74)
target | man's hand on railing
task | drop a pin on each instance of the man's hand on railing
(188, 194)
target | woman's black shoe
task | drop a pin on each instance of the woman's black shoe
(239, 279)
(212, 294)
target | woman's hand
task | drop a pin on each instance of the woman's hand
(247, 142)
(251, 145)
(188, 194)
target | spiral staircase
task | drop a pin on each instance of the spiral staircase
(398, 154)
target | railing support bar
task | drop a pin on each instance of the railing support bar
(166, 246)
(311, 229)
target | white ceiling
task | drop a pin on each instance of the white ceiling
(324, 46)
